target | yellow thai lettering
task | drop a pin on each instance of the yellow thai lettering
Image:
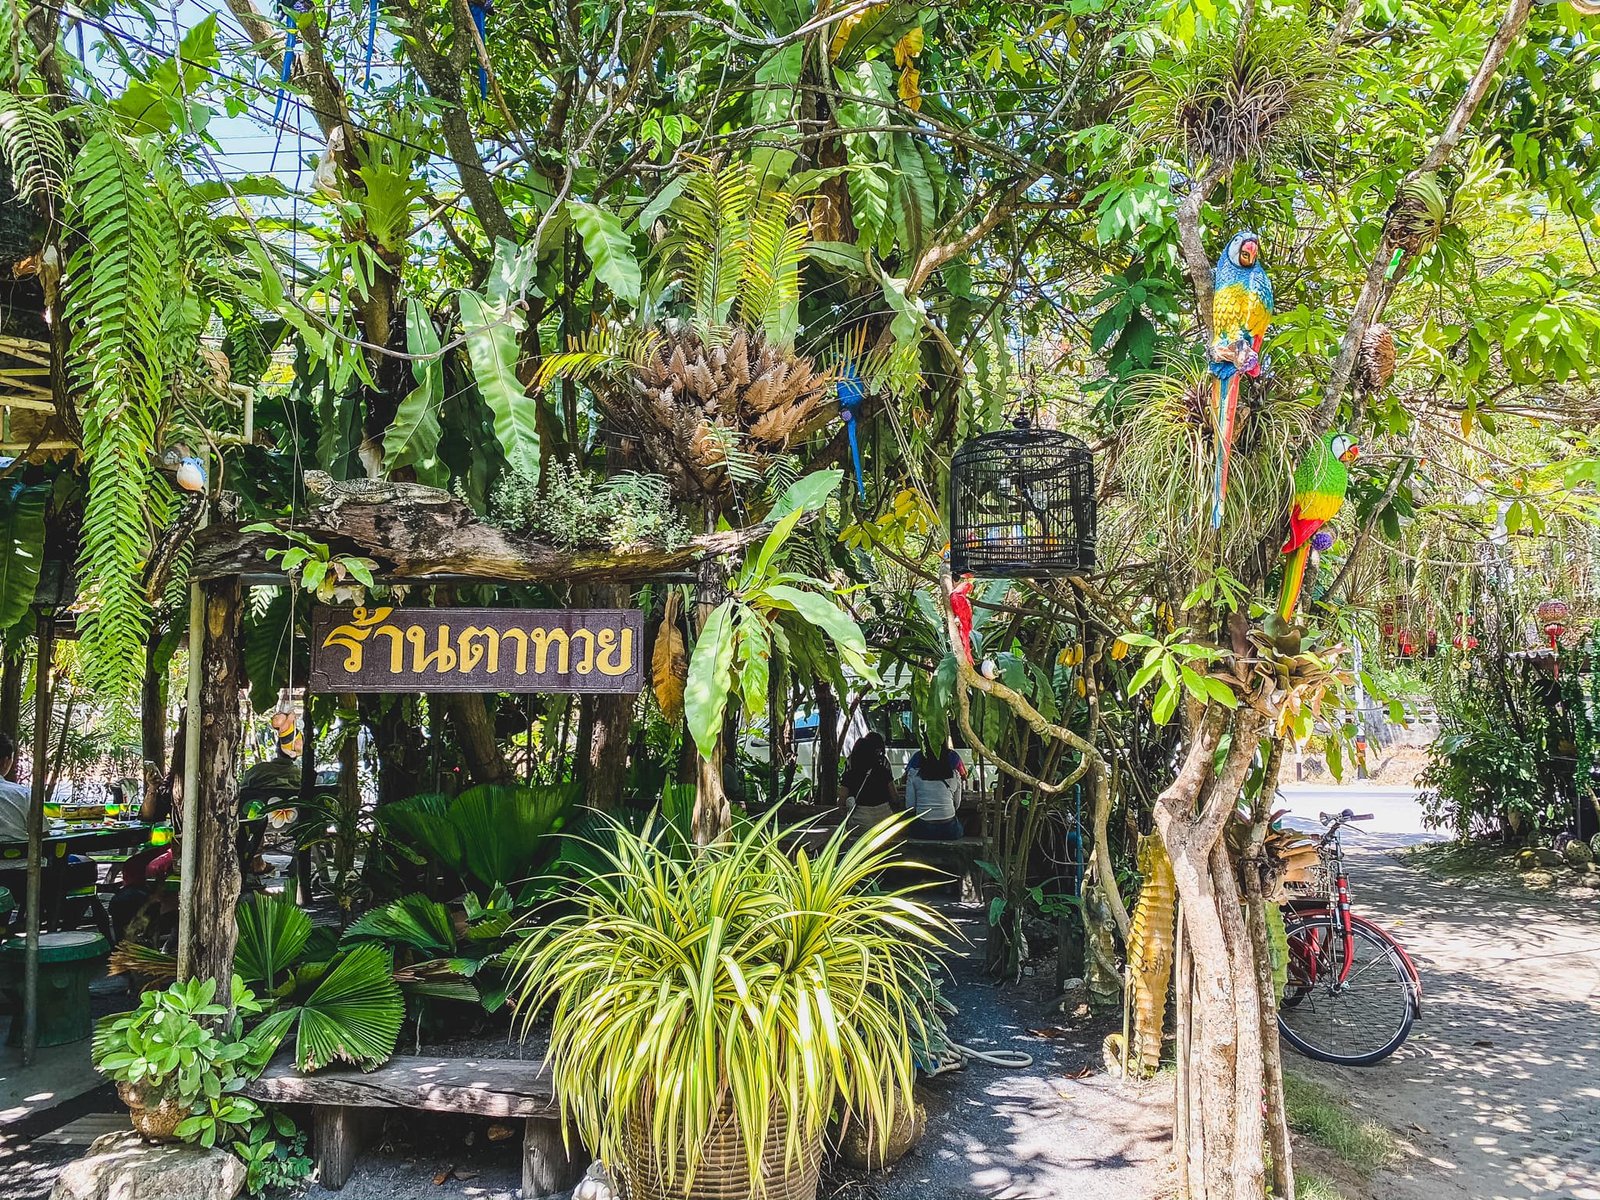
(441, 659)
(542, 640)
(474, 644)
(352, 636)
(586, 663)
(609, 661)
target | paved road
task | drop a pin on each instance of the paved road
(1498, 1090)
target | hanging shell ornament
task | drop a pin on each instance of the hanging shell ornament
(1375, 361)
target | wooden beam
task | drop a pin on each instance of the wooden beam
(492, 1087)
(418, 533)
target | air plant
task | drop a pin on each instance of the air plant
(1228, 101)
(1169, 453)
(1417, 216)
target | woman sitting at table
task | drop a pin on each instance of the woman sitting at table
(933, 793)
(867, 788)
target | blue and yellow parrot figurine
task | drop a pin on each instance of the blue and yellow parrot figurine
(851, 393)
(1241, 308)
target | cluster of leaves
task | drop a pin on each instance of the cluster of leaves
(577, 508)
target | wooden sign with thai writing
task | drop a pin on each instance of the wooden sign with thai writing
(477, 650)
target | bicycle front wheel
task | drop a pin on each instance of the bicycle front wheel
(1356, 1021)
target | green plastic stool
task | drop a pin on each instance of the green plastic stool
(67, 962)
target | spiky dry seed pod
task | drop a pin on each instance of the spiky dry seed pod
(681, 399)
(1375, 363)
(1417, 215)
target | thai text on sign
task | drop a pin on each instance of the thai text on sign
(477, 650)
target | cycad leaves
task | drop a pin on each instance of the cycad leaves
(492, 347)
(22, 510)
(412, 440)
(119, 284)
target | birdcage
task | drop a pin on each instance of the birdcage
(1022, 505)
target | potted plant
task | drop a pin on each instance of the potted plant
(711, 1009)
(179, 1063)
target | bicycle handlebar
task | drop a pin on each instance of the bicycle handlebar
(1342, 818)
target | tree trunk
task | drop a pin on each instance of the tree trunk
(713, 815)
(1225, 1071)
(827, 744)
(213, 931)
(153, 719)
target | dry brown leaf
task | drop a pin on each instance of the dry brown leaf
(670, 665)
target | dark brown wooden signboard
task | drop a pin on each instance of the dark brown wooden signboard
(477, 650)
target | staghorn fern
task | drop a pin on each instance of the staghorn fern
(33, 147)
(118, 298)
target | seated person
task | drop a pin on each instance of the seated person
(867, 787)
(933, 793)
(15, 801)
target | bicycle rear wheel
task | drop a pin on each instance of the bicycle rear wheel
(1355, 1023)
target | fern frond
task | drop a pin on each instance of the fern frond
(31, 141)
(119, 302)
(775, 242)
(598, 352)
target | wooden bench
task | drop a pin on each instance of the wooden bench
(956, 857)
(491, 1087)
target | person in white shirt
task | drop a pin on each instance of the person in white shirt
(15, 798)
(933, 794)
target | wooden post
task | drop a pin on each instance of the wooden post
(335, 1134)
(188, 818)
(211, 809)
(547, 1168)
(41, 752)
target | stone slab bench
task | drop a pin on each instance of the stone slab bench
(489, 1087)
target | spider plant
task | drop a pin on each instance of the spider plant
(750, 981)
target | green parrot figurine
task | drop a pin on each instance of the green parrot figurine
(1319, 487)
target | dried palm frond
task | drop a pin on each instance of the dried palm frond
(1375, 362)
(1224, 101)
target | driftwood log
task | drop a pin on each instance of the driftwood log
(417, 533)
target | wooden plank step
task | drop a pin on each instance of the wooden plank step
(490, 1087)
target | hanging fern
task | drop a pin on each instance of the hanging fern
(119, 307)
(33, 147)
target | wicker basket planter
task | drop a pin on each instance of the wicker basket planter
(724, 1170)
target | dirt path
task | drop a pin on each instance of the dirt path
(1498, 1089)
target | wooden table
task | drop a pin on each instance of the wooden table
(56, 847)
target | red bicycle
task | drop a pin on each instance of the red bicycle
(1353, 992)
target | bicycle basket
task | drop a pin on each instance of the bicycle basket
(1308, 881)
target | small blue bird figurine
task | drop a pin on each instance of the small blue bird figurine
(191, 475)
(1241, 309)
(851, 394)
(291, 11)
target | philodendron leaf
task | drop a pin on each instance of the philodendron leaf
(608, 249)
(705, 696)
(412, 439)
(492, 347)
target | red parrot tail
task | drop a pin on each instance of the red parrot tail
(1300, 530)
(1294, 574)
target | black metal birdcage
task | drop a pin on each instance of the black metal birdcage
(1022, 505)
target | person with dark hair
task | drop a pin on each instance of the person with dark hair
(933, 794)
(14, 797)
(867, 787)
